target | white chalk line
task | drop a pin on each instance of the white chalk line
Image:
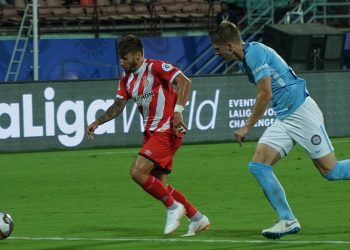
(181, 240)
(183, 148)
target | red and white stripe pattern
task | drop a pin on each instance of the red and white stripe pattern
(150, 86)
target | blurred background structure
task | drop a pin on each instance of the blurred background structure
(76, 38)
(56, 76)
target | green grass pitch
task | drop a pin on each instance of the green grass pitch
(85, 199)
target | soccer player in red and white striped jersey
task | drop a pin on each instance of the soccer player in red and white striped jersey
(150, 84)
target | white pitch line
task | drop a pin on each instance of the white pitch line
(182, 240)
(183, 148)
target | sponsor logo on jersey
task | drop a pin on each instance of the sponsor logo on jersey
(166, 67)
(316, 140)
(144, 99)
(260, 67)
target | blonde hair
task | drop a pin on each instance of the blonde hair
(226, 32)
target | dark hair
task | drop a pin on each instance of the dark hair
(129, 44)
(226, 32)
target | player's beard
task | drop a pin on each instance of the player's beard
(131, 68)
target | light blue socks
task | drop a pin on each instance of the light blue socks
(272, 189)
(341, 171)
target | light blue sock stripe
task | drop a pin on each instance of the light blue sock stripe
(323, 130)
(272, 189)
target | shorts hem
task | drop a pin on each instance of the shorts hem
(280, 150)
(156, 165)
(320, 156)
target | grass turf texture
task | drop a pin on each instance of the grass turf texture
(87, 200)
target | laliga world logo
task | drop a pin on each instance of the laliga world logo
(67, 119)
(57, 116)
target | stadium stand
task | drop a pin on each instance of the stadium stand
(68, 16)
(137, 16)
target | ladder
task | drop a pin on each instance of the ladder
(24, 33)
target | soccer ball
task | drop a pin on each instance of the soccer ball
(6, 225)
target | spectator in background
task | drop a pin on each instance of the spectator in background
(226, 14)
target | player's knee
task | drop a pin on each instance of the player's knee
(135, 173)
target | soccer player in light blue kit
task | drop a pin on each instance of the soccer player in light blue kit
(298, 119)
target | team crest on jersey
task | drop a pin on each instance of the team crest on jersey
(166, 67)
(316, 140)
(145, 81)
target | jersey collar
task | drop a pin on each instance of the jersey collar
(141, 68)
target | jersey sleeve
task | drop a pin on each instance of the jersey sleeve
(165, 71)
(122, 91)
(258, 63)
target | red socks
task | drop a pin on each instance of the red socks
(155, 187)
(178, 196)
(168, 195)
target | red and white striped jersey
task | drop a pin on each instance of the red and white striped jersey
(151, 88)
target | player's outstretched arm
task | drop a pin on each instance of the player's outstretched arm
(262, 101)
(112, 112)
(182, 92)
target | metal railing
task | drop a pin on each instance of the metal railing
(305, 11)
(254, 27)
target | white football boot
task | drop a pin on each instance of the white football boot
(282, 228)
(173, 218)
(196, 226)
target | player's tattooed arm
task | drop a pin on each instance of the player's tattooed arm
(113, 111)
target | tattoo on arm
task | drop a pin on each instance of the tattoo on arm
(113, 111)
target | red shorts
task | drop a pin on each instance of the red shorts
(160, 147)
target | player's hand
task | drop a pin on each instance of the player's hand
(90, 130)
(178, 124)
(240, 134)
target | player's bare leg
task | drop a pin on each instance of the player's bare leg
(332, 169)
(140, 173)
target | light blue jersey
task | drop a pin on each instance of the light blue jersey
(288, 90)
